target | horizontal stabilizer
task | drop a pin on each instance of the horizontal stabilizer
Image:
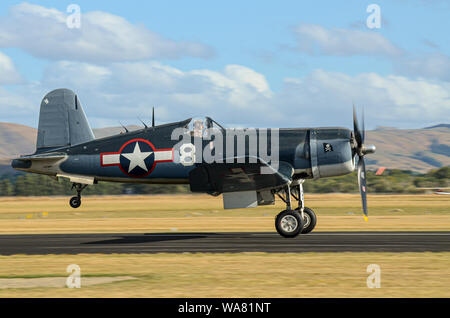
(39, 160)
(42, 157)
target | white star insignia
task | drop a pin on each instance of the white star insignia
(137, 158)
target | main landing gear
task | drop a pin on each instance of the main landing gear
(290, 223)
(75, 202)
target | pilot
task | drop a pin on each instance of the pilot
(198, 128)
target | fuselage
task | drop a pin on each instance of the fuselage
(152, 154)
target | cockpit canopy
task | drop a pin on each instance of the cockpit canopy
(203, 127)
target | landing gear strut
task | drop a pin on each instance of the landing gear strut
(307, 214)
(290, 223)
(75, 202)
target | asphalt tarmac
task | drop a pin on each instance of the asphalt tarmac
(224, 243)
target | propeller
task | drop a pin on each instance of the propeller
(361, 150)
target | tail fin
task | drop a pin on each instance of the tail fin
(62, 121)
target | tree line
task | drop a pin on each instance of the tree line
(391, 181)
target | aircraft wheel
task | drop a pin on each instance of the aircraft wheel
(75, 202)
(289, 223)
(310, 220)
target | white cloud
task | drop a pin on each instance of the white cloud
(241, 95)
(435, 65)
(8, 72)
(76, 74)
(240, 85)
(237, 95)
(315, 39)
(16, 108)
(128, 90)
(103, 37)
(326, 98)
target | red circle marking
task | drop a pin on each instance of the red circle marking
(135, 140)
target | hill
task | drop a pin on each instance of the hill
(16, 140)
(418, 150)
(439, 126)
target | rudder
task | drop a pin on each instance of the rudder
(62, 121)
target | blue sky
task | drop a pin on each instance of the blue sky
(273, 63)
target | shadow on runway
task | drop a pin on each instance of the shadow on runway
(152, 237)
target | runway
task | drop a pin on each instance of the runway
(224, 243)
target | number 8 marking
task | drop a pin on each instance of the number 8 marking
(187, 154)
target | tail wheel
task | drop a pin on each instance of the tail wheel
(310, 220)
(289, 223)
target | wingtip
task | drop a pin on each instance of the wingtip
(366, 218)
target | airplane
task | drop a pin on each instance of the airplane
(200, 152)
(436, 190)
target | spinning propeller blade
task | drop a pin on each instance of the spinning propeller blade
(361, 150)
(363, 185)
(356, 130)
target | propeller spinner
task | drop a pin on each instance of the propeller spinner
(361, 150)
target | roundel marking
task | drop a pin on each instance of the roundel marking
(136, 158)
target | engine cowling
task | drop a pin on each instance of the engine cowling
(331, 152)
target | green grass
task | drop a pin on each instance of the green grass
(186, 213)
(162, 206)
(237, 275)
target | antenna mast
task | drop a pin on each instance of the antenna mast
(153, 117)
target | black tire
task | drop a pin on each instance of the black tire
(311, 220)
(289, 223)
(75, 202)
